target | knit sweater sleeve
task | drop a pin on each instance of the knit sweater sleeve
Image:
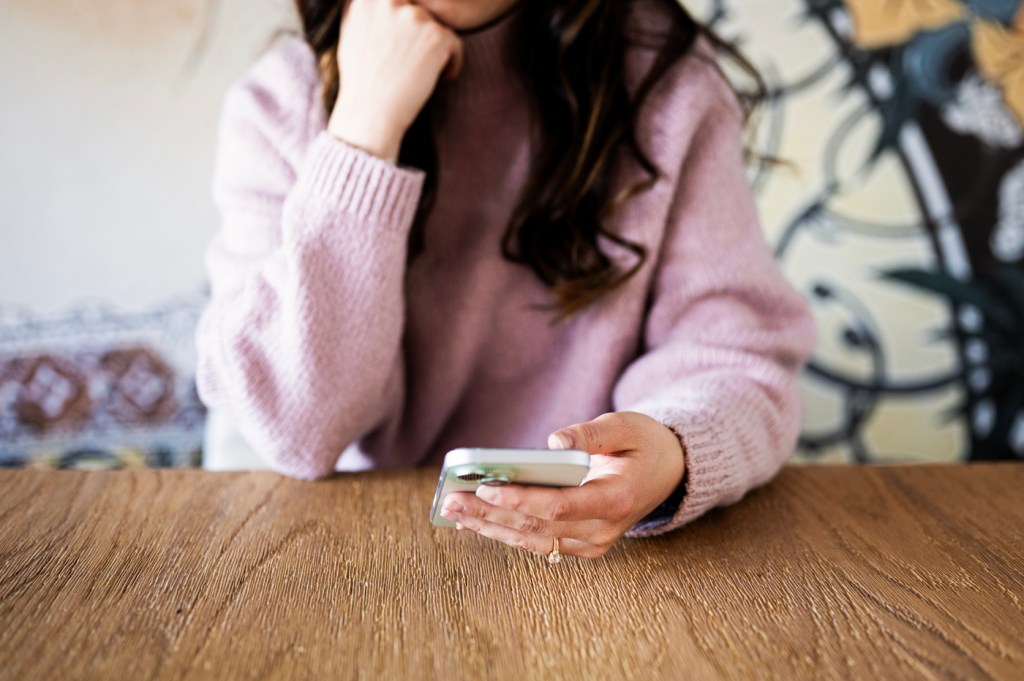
(726, 335)
(300, 344)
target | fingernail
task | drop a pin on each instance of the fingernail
(486, 493)
(560, 440)
(453, 506)
(458, 526)
(450, 514)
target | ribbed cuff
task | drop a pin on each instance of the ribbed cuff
(360, 183)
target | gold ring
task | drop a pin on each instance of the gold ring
(554, 556)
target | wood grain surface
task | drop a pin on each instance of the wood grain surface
(829, 572)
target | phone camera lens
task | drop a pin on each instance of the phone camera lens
(495, 480)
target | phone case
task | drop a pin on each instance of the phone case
(467, 468)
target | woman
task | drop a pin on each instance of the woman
(488, 223)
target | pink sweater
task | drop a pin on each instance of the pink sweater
(326, 352)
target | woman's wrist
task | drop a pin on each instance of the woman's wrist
(668, 507)
(376, 137)
(664, 511)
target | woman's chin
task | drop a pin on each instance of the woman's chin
(456, 15)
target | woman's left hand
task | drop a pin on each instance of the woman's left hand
(637, 463)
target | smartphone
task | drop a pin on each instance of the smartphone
(467, 468)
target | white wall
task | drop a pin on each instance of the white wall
(108, 142)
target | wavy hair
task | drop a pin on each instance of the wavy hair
(575, 71)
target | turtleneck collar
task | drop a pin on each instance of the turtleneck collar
(489, 71)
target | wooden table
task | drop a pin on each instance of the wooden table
(829, 572)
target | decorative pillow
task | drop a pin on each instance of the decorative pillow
(100, 389)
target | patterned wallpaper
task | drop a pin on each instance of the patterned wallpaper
(902, 216)
(898, 210)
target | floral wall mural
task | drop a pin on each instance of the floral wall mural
(898, 210)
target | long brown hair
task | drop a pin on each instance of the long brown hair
(575, 71)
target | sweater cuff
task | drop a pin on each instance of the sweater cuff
(360, 183)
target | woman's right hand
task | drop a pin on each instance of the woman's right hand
(390, 56)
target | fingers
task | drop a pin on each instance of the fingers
(611, 433)
(449, 40)
(534, 543)
(600, 498)
(524, 532)
(455, 60)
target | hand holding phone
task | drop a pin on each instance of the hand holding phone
(465, 469)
